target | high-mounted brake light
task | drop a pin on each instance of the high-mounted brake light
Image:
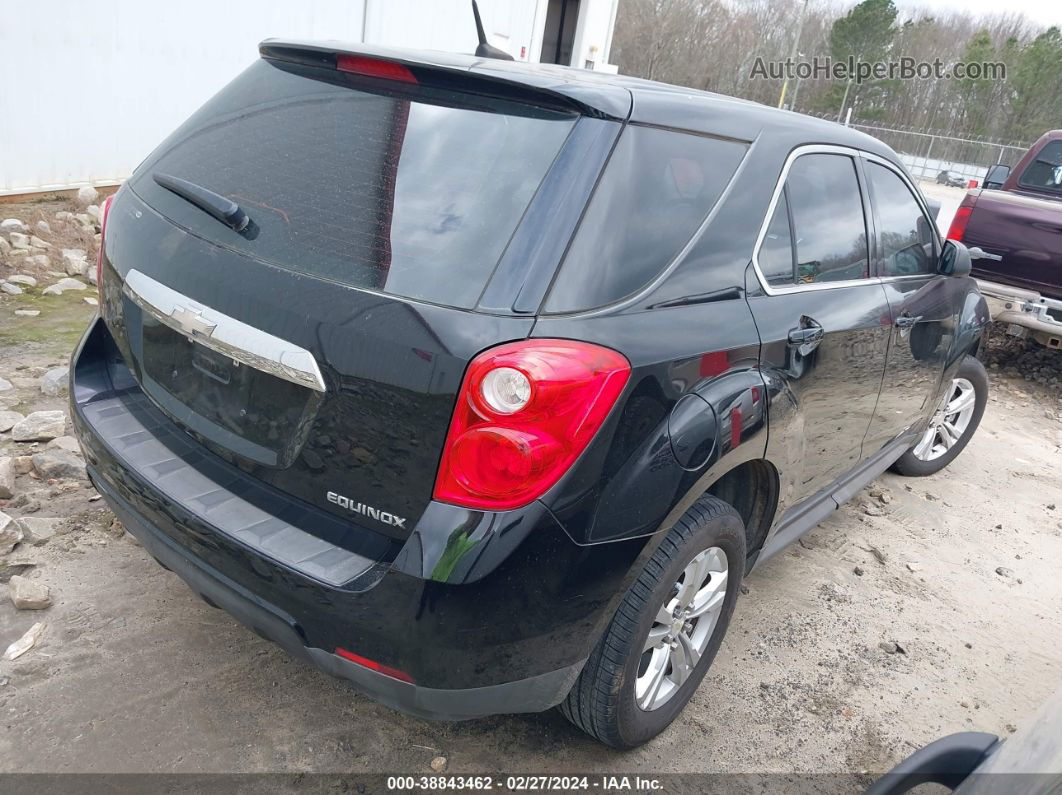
(525, 412)
(374, 67)
(962, 217)
(105, 208)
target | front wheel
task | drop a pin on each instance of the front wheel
(666, 632)
(952, 425)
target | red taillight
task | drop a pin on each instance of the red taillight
(372, 665)
(525, 412)
(958, 223)
(104, 209)
(374, 67)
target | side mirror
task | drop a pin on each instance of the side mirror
(996, 176)
(954, 260)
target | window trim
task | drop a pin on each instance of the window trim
(869, 219)
(868, 228)
(919, 200)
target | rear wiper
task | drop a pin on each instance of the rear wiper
(225, 210)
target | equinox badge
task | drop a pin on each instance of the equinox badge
(366, 510)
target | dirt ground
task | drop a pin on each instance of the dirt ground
(924, 607)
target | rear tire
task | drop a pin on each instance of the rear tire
(685, 595)
(939, 446)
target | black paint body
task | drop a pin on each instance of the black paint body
(467, 599)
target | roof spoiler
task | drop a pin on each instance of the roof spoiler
(465, 73)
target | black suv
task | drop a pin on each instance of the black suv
(483, 385)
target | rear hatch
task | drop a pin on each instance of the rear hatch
(321, 347)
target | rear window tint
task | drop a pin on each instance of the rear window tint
(656, 191)
(1045, 172)
(414, 193)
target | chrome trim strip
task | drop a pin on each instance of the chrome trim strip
(224, 334)
(810, 149)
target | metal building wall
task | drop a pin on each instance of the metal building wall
(88, 89)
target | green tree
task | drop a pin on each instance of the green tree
(1036, 87)
(865, 33)
(975, 96)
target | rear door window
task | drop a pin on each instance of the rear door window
(657, 189)
(829, 234)
(411, 191)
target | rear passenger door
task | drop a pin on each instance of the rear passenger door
(823, 319)
(923, 305)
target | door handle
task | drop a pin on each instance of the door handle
(802, 336)
(807, 336)
(976, 252)
(906, 320)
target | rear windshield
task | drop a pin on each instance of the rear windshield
(409, 191)
(1045, 172)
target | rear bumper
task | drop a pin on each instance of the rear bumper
(485, 613)
(533, 694)
(1024, 308)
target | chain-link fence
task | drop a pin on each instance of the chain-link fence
(926, 155)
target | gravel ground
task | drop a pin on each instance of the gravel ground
(923, 608)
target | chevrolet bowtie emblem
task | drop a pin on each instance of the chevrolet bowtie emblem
(191, 322)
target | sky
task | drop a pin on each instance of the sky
(1042, 11)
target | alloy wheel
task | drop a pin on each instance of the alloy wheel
(949, 423)
(682, 628)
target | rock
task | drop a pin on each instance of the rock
(10, 289)
(90, 301)
(62, 285)
(54, 382)
(64, 215)
(10, 568)
(25, 643)
(10, 534)
(13, 225)
(74, 260)
(68, 443)
(40, 426)
(8, 419)
(39, 260)
(871, 509)
(22, 280)
(23, 464)
(1003, 571)
(891, 647)
(59, 464)
(5, 247)
(5, 385)
(27, 312)
(858, 571)
(912, 566)
(438, 764)
(19, 240)
(42, 228)
(90, 274)
(36, 242)
(87, 195)
(7, 477)
(38, 530)
(27, 594)
(93, 211)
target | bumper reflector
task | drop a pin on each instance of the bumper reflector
(372, 665)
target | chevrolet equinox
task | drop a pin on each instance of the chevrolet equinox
(483, 385)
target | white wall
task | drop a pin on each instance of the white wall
(88, 89)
